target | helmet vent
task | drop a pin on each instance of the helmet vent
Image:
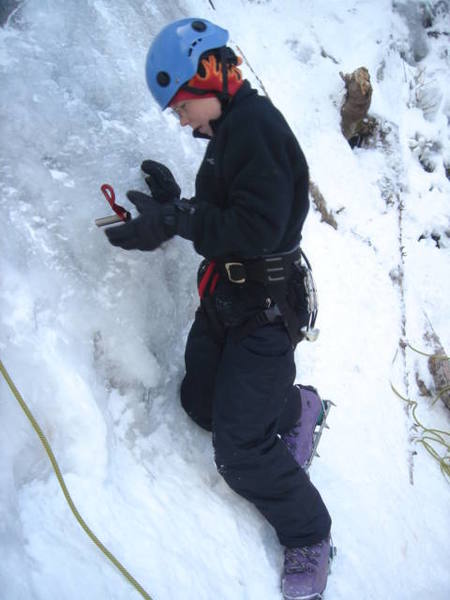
(194, 43)
(163, 78)
(198, 26)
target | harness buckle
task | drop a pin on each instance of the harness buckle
(229, 266)
(274, 268)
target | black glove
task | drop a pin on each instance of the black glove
(161, 182)
(154, 225)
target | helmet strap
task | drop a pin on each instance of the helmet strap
(224, 62)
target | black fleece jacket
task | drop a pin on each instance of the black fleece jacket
(251, 191)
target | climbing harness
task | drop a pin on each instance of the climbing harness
(207, 279)
(64, 489)
(289, 282)
(121, 213)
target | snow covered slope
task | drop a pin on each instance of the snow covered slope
(94, 337)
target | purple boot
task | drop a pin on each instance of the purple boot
(306, 571)
(300, 439)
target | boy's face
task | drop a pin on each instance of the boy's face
(198, 113)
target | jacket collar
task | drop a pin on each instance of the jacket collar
(243, 93)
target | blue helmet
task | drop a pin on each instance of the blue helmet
(175, 52)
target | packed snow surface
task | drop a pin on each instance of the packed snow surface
(94, 336)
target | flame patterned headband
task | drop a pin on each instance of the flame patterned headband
(208, 81)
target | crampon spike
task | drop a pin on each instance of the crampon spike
(321, 425)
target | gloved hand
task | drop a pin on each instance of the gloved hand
(161, 182)
(154, 225)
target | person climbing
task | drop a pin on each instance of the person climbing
(246, 218)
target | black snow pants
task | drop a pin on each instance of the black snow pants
(243, 392)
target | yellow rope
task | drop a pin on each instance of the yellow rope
(428, 435)
(433, 356)
(62, 483)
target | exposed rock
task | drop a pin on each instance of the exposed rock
(321, 205)
(439, 367)
(355, 122)
(423, 390)
(325, 54)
